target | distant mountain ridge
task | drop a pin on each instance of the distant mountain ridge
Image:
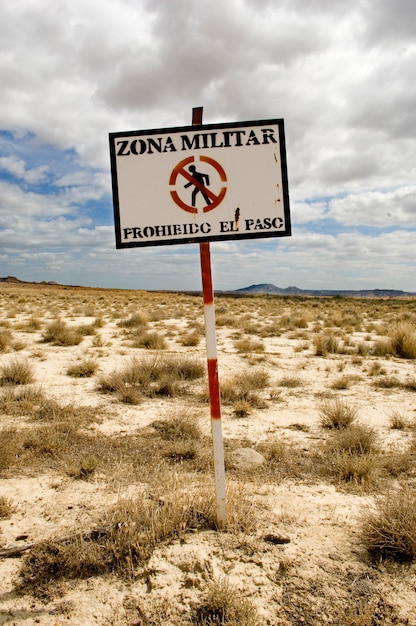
(13, 279)
(269, 288)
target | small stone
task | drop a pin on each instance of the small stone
(276, 539)
(245, 458)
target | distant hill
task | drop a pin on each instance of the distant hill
(14, 280)
(10, 279)
(268, 288)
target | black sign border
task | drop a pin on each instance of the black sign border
(185, 129)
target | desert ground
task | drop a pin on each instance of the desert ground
(107, 504)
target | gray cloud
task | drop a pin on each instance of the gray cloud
(341, 74)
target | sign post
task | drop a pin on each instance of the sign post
(213, 381)
(197, 184)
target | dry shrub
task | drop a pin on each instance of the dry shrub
(284, 460)
(97, 341)
(389, 528)
(290, 382)
(387, 382)
(357, 439)
(6, 507)
(51, 440)
(336, 414)
(154, 376)
(342, 382)
(6, 338)
(33, 402)
(82, 468)
(245, 387)
(326, 343)
(84, 369)
(190, 339)
(137, 320)
(360, 469)
(398, 462)
(52, 410)
(10, 446)
(410, 384)
(249, 345)
(351, 455)
(242, 408)
(180, 424)
(276, 450)
(398, 421)
(149, 341)
(376, 369)
(21, 401)
(60, 334)
(403, 340)
(16, 372)
(87, 329)
(224, 605)
(181, 439)
(127, 535)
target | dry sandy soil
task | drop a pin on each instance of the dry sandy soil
(87, 445)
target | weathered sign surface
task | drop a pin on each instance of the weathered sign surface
(200, 183)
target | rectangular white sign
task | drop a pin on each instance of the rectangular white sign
(200, 183)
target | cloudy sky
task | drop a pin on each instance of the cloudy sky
(341, 74)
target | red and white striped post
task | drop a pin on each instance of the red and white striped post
(213, 381)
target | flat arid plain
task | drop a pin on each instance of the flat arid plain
(107, 505)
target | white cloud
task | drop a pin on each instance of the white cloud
(17, 167)
(377, 208)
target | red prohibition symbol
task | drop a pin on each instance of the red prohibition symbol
(200, 183)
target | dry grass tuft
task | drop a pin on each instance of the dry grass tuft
(398, 421)
(403, 340)
(247, 345)
(389, 529)
(387, 382)
(291, 382)
(149, 341)
(351, 455)
(326, 343)
(153, 376)
(245, 387)
(6, 339)
(180, 424)
(342, 382)
(242, 408)
(21, 401)
(357, 439)
(336, 414)
(6, 507)
(224, 605)
(137, 320)
(82, 468)
(59, 333)
(191, 340)
(84, 369)
(17, 372)
(10, 448)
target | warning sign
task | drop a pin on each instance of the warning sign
(200, 183)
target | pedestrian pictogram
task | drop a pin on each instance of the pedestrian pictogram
(203, 194)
